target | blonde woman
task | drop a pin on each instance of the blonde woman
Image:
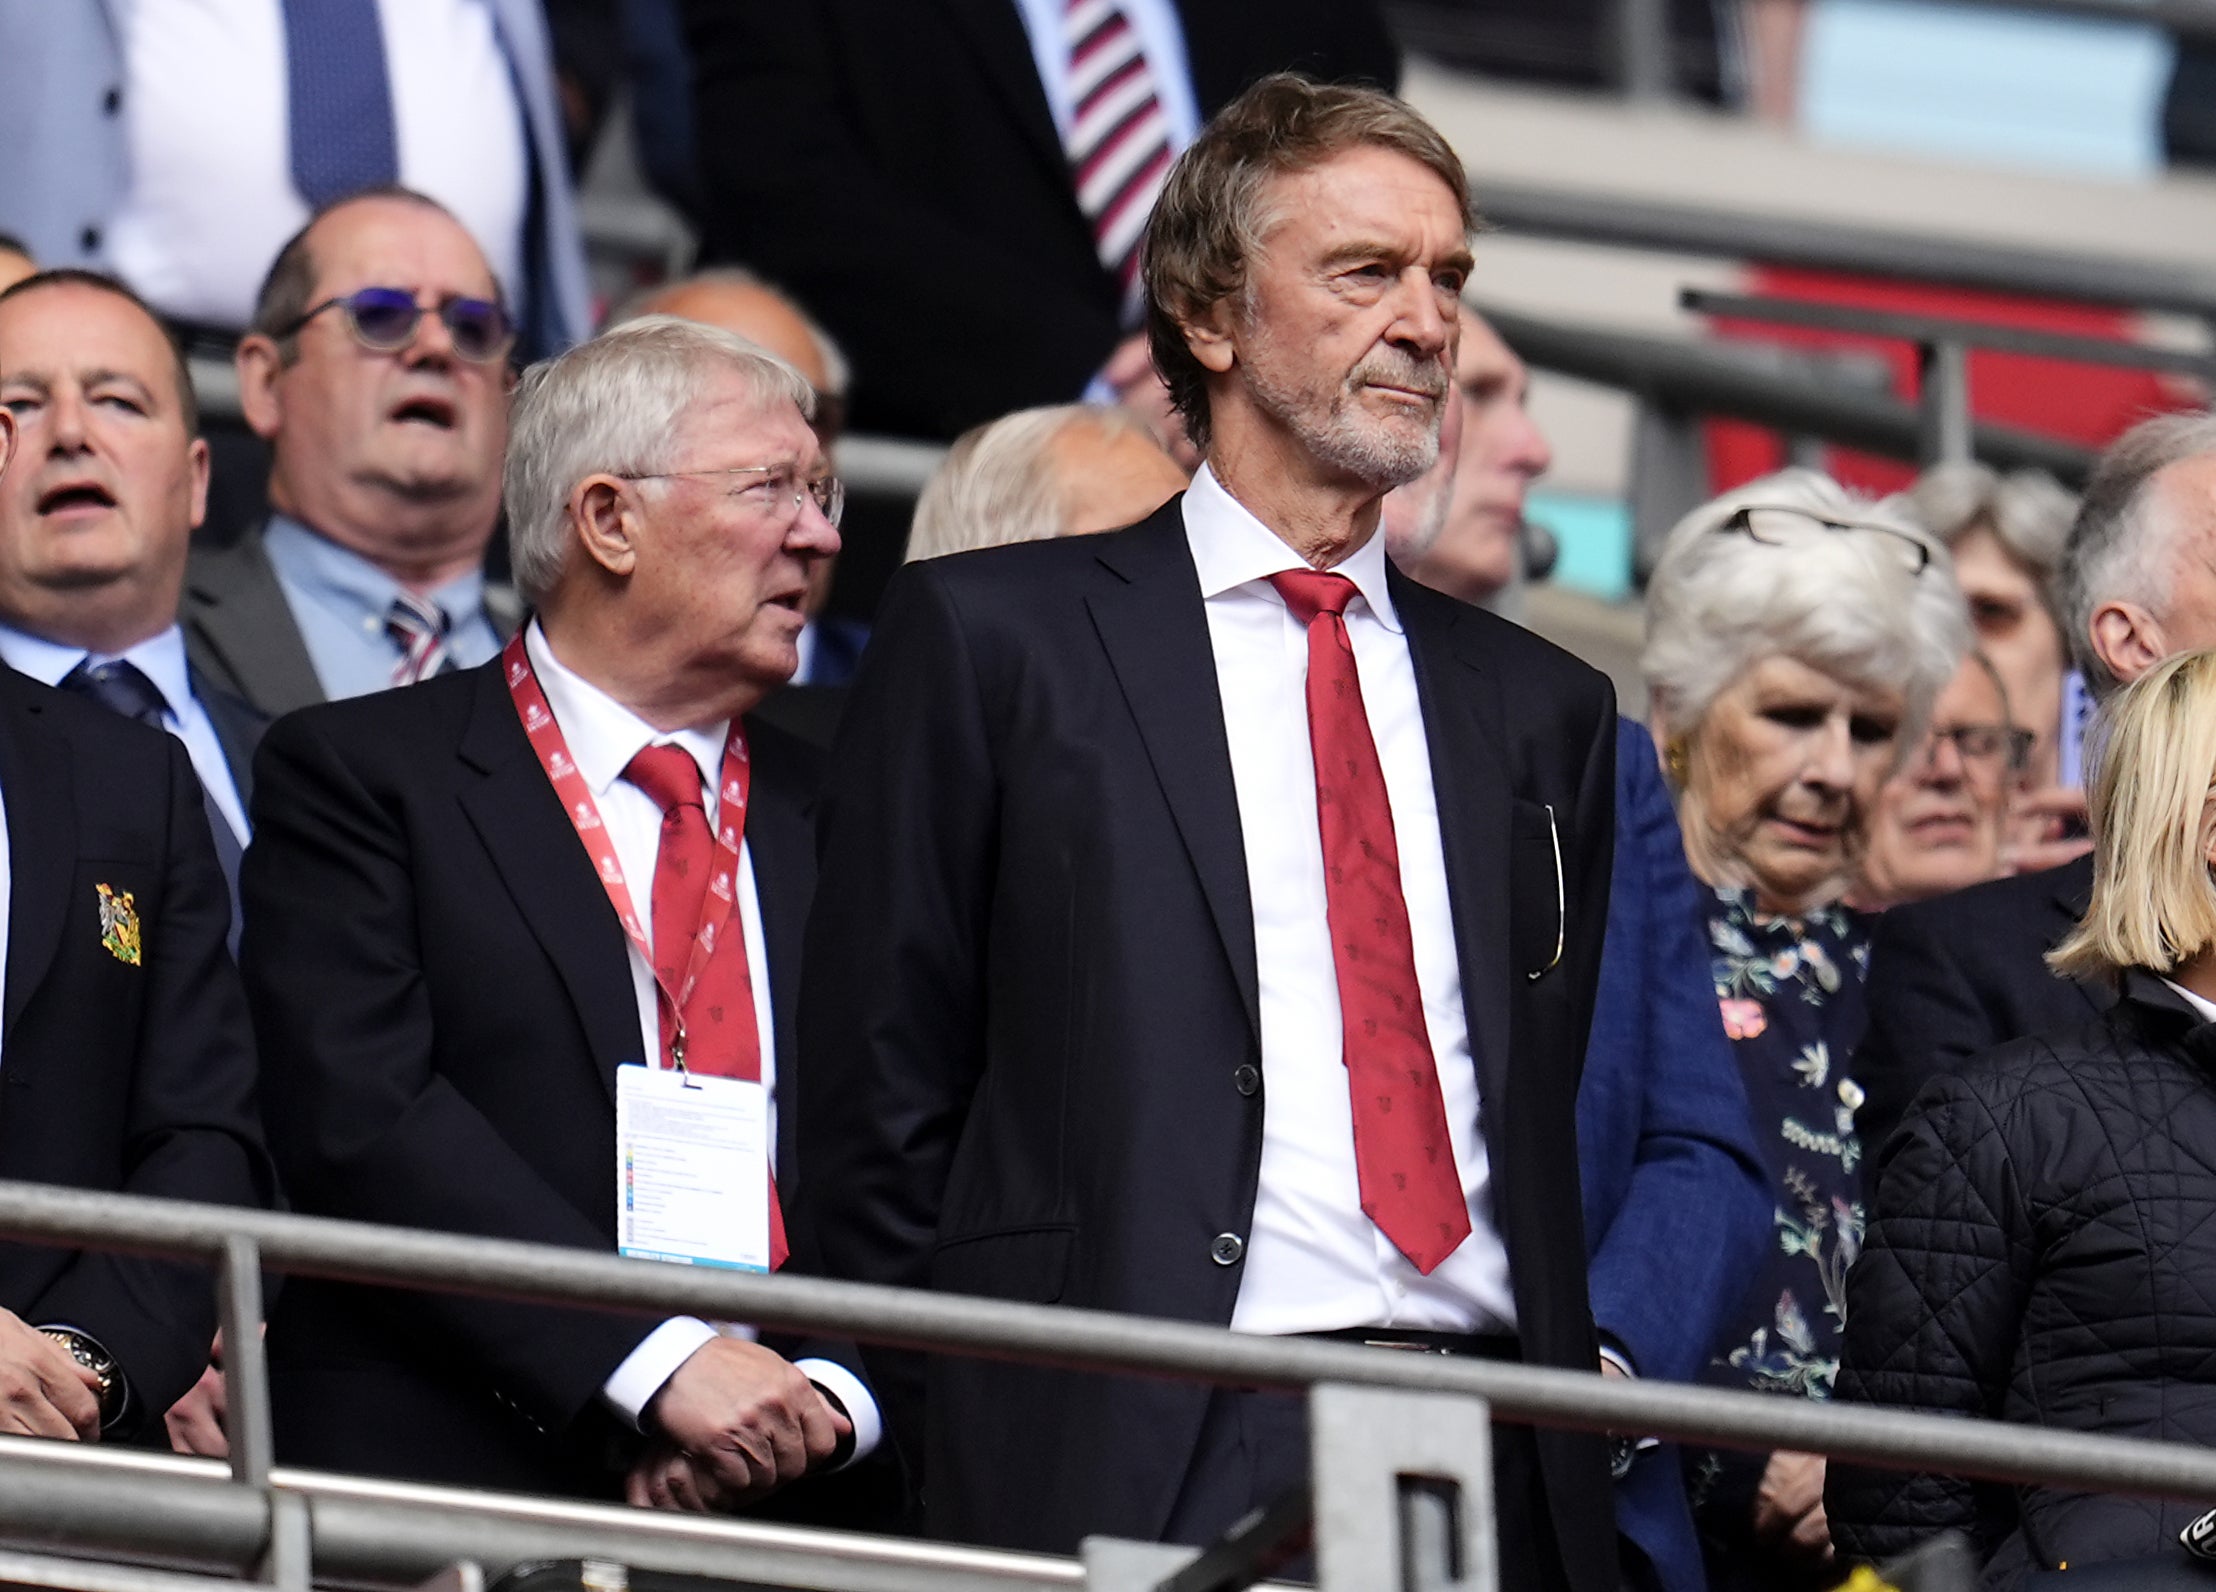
(2044, 1232)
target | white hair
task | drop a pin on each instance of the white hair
(2121, 549)
(612, 406)
(997, 484)
(1843, 603)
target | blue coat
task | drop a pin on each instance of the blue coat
(68, 160)
(1677, 1211)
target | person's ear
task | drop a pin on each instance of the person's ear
(1209, 336)
(604, 509)
(7, 438)
(259, 364)
(2127, 639)
(196, 460)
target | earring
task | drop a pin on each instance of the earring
(1673, 763)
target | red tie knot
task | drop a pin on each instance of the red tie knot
(1309, 592)
(668, 775)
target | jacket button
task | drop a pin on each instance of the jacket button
(1247, 1079)
(1226, 1248)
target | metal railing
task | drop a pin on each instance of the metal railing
(280, 1525)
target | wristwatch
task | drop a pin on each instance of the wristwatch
(87, 1352)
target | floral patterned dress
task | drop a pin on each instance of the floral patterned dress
(1791, 994)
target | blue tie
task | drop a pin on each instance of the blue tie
(341, 99)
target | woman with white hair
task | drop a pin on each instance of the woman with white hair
(2040, 1245)
(1796, 639)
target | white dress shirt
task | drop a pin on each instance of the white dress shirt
(603, 737)
(205, 97)
(162, 660)
(1314, 1261)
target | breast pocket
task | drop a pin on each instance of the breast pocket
(1536, 889)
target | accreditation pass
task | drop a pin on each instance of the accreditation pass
(692, 1169)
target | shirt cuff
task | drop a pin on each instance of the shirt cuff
(653, 1362)
(1619, 1362)
(861, 1408)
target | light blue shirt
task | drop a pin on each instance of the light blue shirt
(339, 599)
(1161, 35)
(161, 660)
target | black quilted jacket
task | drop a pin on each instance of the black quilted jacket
(2043, 1249)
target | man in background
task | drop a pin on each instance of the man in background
(378, 371)
(1068, 470)
(130, 1062)
(1459, 527)
(95, 517)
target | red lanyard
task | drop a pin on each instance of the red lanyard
(584, 815)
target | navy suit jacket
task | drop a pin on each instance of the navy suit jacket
(1677, 1210)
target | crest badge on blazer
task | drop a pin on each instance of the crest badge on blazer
(119, 925)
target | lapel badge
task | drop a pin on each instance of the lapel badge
(119, 925)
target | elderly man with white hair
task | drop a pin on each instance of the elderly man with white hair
(526, 927)
(1796, 639)
(1063, 470)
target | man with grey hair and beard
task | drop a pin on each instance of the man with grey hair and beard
(1955, 976)
(497, 918)
(1208, 917)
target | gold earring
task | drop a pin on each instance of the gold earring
(1673, 762)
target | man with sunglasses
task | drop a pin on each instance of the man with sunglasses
(378, 371)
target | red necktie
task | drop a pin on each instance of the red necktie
(1403, 1154)
(722, 1039)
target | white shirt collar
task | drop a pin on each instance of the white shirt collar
(1231, 548)
(604, 735)
(160, 658)
(2200, 1003)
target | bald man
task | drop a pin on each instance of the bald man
(739, 301)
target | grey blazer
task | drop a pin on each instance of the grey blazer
(241, 636)
(69, 166)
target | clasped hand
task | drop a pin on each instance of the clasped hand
(44, 1392)
(735, 1422)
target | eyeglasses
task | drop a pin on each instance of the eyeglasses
(781, 483)
(1777, 525)
(1985, 746)
(385, 319)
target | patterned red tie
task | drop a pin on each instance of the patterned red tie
(722, 1039)
(1403, 1154)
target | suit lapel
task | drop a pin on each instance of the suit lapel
(546, 870)
(1155, 630)
(36, 787)
(1463, 725)
(242, 631)
(995, 31)
(238, 726)
(782, 848)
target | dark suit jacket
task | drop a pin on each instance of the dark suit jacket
(1677, 1207)
(113, 1075)
(1960, 974)
(239, 727)
(1029, 1010)
(894, 165)
(445, 994)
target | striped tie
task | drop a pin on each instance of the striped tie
(1119, 142)
(417, 627)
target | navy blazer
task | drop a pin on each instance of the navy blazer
(1677, 1210)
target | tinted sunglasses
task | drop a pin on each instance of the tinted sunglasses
(385, 319)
